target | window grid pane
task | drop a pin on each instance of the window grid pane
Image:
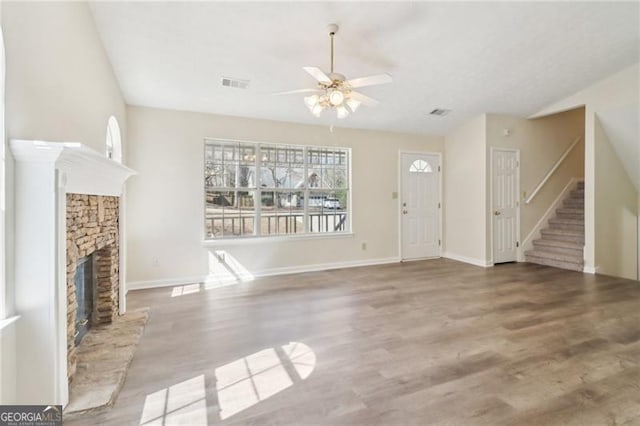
(254, 189)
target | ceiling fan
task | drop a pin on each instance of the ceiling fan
(335, 91)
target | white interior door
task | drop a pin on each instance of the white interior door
(420, 205)
(505, 205)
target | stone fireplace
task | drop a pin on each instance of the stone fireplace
(92, 231)
(67, 206)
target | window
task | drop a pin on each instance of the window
(420, 166)
(114, 141)
(262, 189)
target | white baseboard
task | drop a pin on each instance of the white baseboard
(470, 260)
(140, 285)
(590, 269)
(527, 243)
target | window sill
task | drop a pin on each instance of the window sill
(239, 241)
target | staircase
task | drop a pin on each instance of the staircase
(562, 243)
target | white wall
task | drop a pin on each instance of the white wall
(616, 240)
(7, 331)
(59, 87)
(616, 91)
(165, 201)
(60, 83)
(541, 143)
(465, 176)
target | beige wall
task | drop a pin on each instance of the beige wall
(60, 83)
(465, 174)
(59, 87)
(618, 90)
(616, 212)
(165, 201)
(541, 143)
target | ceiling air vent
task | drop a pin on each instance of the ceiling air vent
(440, 112)
(235, 83)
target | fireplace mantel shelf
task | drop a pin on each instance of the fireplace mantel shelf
(84, 170)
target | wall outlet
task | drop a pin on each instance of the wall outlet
(364, 246)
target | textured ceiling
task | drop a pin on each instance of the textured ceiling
(511, 58)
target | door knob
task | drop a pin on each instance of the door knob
(496, 213)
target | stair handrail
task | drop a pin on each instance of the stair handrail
(557, 164)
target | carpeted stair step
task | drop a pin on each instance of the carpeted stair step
(577, 193)
(573, 203)
(570, 213)
(561, 247)
(564, 257)
(531, 256)
(567, 223)
(562, 243)
(563, 235)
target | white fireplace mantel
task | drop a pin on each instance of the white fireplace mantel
(44, 173)
(84, 170)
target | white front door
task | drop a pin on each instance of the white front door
(420, 205)
(505, 205)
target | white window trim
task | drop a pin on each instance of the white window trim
(250, 239)
(266, 239)
(6, 306)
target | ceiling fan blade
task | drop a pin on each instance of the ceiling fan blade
(317, 74)
(293, 92)
(363, 99)
(370, 81)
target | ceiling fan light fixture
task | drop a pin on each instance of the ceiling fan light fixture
(336, 97)
(311, 101)
(342, 112)
(316, 110)
(353, 104)
(334, 91)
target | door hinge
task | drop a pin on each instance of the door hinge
(438, 168)
(438, 205)
(517, 244)
(439, 242)
(517, 203)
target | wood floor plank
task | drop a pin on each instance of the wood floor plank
(428, 342)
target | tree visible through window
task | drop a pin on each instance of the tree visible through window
(260, 189)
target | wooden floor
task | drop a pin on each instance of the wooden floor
(430, 342)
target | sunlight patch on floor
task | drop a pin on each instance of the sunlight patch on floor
(225, 270)
(247, 381)
(183, 290)
(182, 403)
